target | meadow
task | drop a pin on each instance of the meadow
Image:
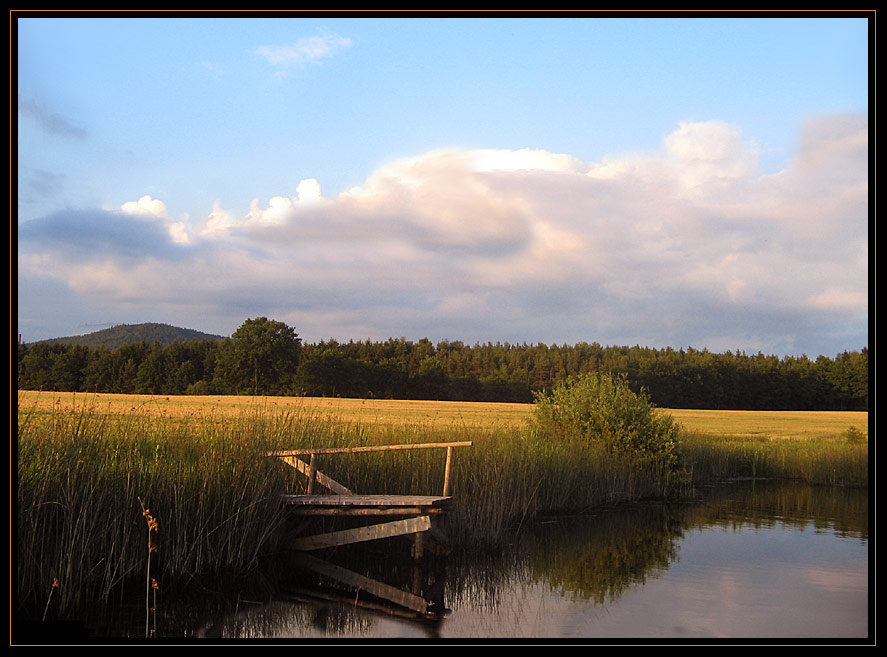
(95, 470)
(438, 414)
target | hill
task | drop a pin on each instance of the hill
(123, 334)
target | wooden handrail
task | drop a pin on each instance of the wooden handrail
(369, 448)
(310, 469)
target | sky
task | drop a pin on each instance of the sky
(667, 182)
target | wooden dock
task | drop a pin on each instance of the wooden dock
(414, 513)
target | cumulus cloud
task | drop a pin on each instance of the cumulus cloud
(146, 206)
(308, 191)
(155, 209)
(304, 50)
(688, 246)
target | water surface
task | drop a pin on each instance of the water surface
(751, 560)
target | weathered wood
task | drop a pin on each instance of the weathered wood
(366, 505)
(361, 534)
(368, 448)
(310, 469)
(447, 468)
(322, 479)
(367, 500)
(417, 544)
(312, 473)
(439, 535)
(363, 583)
(339, 512)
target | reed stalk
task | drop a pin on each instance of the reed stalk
(55, 585)
(152, 547)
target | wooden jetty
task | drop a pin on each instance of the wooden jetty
(414, 513)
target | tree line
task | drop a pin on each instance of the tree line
(266, 357)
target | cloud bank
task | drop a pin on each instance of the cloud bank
(685, 246)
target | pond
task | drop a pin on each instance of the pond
(749, 560)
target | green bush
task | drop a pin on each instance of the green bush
(602, 410)
(854, 436)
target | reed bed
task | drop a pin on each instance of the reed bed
(83, 472)
(836, 460)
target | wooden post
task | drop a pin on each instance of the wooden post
(447, 468)
(417, 543)
(312, 473)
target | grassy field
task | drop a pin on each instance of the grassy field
(440, 415)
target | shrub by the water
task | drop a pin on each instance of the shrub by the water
(602, 410)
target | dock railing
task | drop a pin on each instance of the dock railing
(415, 512)
(291, 457)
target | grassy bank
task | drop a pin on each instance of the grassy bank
(85, 463)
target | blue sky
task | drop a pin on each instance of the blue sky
(661, 181)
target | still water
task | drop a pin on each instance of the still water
(750, 560)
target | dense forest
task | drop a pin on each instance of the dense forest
(268, 358)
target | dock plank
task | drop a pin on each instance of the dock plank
(366, 505)
(366, 500)
(362, 534)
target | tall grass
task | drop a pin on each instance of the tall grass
(839, 460)
(81, 474)
(214, 493)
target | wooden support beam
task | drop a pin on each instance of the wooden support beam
(322, 479)
(360, 534)
(362, 583)
(417, 545)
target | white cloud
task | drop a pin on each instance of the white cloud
(308, 191)
(304, 50)
(277, 212)
(146, 206)
(690, 247)
(179, 233)
(217, 222)
(154, 209)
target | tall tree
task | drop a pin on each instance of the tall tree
(260, 357)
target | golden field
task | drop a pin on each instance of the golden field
(437, 415)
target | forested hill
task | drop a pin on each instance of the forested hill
(123, 334)
(265, 357)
